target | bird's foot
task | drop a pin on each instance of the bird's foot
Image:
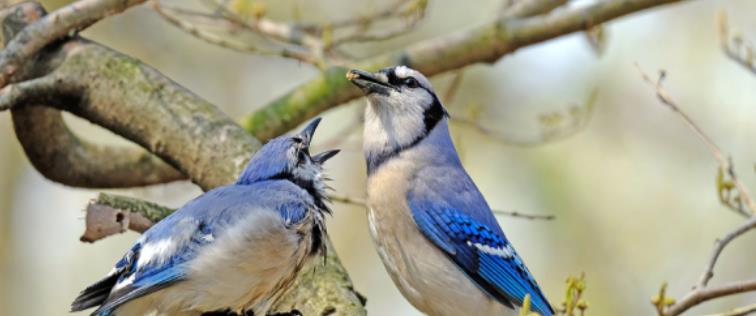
(293, 312)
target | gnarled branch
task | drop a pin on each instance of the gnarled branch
(135, 101)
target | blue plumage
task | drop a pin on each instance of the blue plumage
(434, 230)
(236, 247)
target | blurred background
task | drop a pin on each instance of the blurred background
(633, 190)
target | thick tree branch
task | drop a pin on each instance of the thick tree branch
(483, 44)
(61, 156)
(135, 101)
(62, 22)
(132, 100)
(51, 147)
(322, 288)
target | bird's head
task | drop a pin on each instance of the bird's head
(288, 158)
(402, 108)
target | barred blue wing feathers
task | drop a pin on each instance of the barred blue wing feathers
(483, 253)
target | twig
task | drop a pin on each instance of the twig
(411, 17)
(724, 163)
(348, 200)
(579, 118)
(699, 296)
(362, 202)
(702, 292)
(64, 21)
(170, 15)
(740, 311)
(719, 246)
(733, 46)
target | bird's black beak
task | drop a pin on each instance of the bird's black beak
(368, 82)
(306, 136)
(308, 131)
(324, 156)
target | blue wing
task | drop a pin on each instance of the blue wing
(160, 257)
(136, 275)
(483, 252)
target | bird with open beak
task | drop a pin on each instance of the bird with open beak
(235, 249)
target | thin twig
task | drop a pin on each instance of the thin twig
(733, 46)
(702, 292)
(409, 19)
(720, 245)
(740, 311)
(362, 202)
(724, 163)
(215, 39)
(699, 296)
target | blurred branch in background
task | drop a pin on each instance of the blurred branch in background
(483, 44)
(363, 203)
(740, 201)
(243, 25)
(555, 125)
(734, 46)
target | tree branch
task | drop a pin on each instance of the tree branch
(135, 101)
(699, 296)
(191, 134)
(719, 246)
(321, 289)
(52, 148)
(483, 44)
(67, 20)
(516, 214)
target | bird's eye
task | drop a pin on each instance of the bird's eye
(411, 82)
(296, 140)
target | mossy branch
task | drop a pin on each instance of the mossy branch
(483, 44)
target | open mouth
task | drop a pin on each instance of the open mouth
(368, 82)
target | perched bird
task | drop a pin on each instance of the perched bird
(433, 229)
(236, 248)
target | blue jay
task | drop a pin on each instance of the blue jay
(236, 248)
(433, 229)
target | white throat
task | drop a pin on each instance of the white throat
(390, 126)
